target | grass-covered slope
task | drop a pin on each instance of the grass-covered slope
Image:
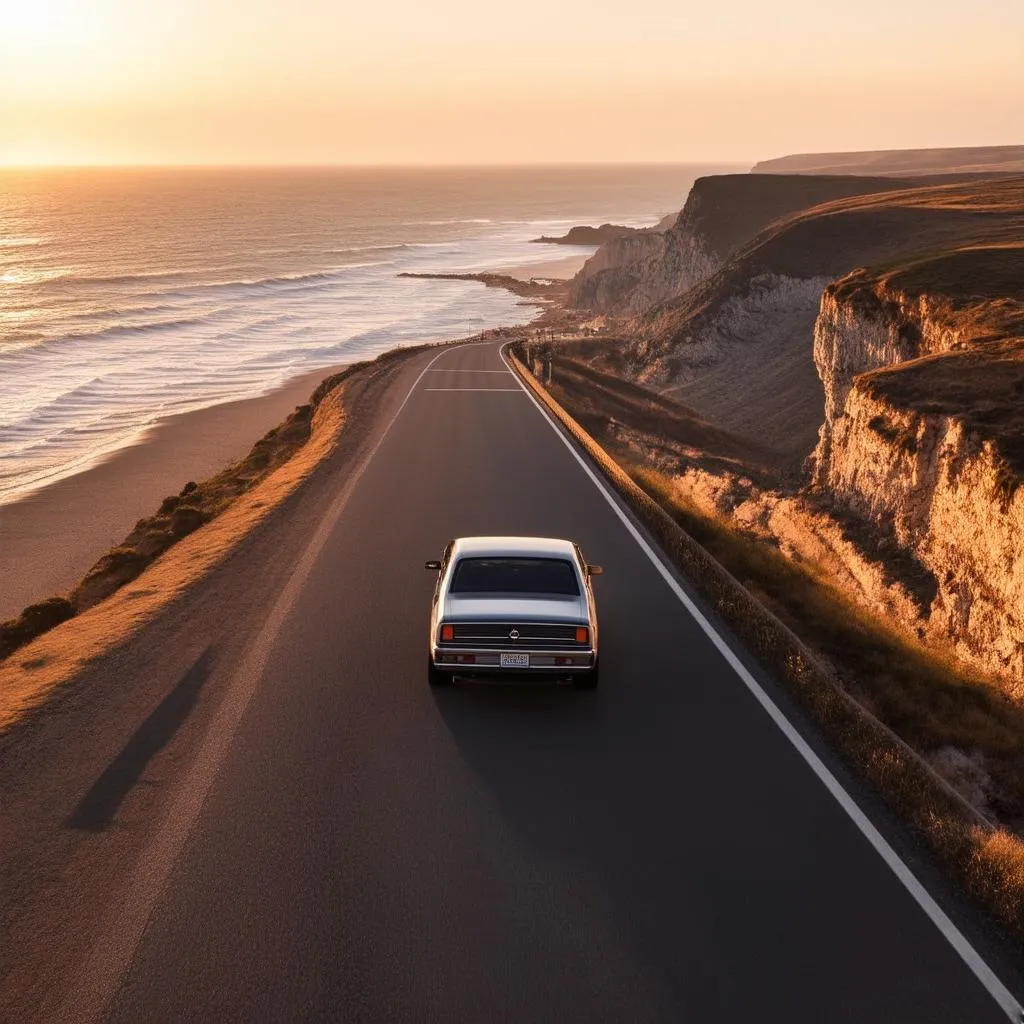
(631, 274)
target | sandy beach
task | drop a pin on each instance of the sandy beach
(52, 537)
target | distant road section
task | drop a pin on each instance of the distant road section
(297, 828)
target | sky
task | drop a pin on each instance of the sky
(538, 81)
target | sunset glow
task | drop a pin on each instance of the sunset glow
(114, 81)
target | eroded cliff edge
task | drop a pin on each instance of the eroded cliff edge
(873, 341)
(923, 436)
(631, 275)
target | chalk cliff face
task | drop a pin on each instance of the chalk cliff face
(942, 491)
(630, 276)
(627, 275)
(898, 387)
(852, 339)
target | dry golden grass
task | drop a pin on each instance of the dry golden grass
(907, 701)
(30, 675)
(924, 699)
(130, 585)
(832, 239)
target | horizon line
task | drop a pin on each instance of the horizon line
(498, 165)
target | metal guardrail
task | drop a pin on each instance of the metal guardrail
(789, 656)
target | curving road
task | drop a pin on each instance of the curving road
(330, 840)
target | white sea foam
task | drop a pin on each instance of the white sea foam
(119, 307)
(66, 397)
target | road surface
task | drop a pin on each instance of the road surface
(296, 828)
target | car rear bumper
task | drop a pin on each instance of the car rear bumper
(467, 660)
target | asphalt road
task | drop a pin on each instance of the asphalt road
(341, 843)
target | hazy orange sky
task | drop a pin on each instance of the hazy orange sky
(453, 81)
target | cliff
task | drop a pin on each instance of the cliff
(747, 329)
(628, 276)
(873, 344)
(922, 366)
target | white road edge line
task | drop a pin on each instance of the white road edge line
(999, 992)
(97, 981)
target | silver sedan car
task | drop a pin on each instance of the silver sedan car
(515, 608)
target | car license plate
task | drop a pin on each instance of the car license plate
(515, 661)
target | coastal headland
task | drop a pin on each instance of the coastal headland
(264, 630)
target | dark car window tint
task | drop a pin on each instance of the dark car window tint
(514, 576)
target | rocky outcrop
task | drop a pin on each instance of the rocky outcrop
(920, 474)
(941, 491)
(630, 276)
(585, 235)
(851, 339)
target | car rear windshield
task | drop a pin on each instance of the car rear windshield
(514, 576)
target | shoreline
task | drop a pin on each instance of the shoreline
(52, 536)
(558, 269)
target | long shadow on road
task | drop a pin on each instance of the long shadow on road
(98, 808)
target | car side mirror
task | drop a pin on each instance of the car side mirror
(594, 570)
(435, 565)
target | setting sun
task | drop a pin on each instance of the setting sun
(19, 21)
(114, 81)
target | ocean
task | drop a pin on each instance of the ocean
(128, 295)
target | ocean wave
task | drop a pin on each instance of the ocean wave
(21, 337)
(18, 242)
(352, 249)
(70, 277)
(277, 282)
(121, 330)
(439, 223)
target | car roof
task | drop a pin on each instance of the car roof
(514, 546)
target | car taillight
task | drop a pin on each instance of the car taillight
(582, 634)
(447, 632)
